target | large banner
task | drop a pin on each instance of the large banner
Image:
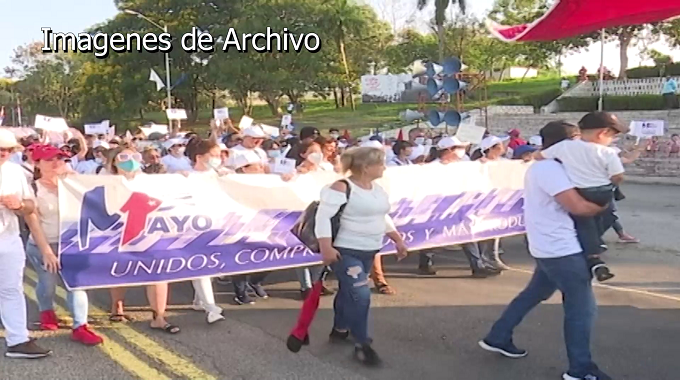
(168, 227)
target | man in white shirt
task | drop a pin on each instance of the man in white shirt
(253, 137)
(549, 197)
(175, 161)
(92, 166)
(16, 198)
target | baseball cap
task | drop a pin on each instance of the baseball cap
(98, 143)
(48, 152)
(450, 142)
(536, 140)
(172, 142)
(523, 149)
(254, 131)
(308, 132)
(599, 120)
(491, 141)
(7, 139)
(513, 132)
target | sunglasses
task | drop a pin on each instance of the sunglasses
(122, 157)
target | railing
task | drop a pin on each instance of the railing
(616, 87)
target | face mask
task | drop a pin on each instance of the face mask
(215, 162)
(315, 158)
(420, 140)
(181, 150)
(99, 160)
(274, 153)
(335, 135)
(428, 142)
(129, 166)
(460, 153)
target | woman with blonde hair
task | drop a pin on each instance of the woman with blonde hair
(363, 224)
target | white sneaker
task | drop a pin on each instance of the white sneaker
(214, 317)
(198, 305)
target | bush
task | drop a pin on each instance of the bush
(536, 100)
(653, 71)
(612, 103)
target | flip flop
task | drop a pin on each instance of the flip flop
(168, 328)
(386, 289)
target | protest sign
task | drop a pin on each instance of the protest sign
(221, 113)
(160, 128)
(286, 120)
(283, 166)
(647, 128)
(51, 124)
(167, 227)
(245, 123)
(97, 128)
(271, 131)
(470, 133)
(176, 114)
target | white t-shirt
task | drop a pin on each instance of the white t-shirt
(364, 221)
(257, 153)
(326, 166)
(87, 167)
(588, 164)
(395, 161)
(550, 229)
(47, 203)
(12, 182)
(29, 171)
(173, 164)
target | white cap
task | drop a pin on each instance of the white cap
(342, 144)
(242, 159)
(7, 139)
(535, 140)
(417, 151)
(100, 143)
(372, 144)
(490, 141)
(450, 142)
(172, 142)
(254, 131)
(223, 147)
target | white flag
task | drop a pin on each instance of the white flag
(155, 78)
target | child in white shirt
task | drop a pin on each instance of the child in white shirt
(595, 169)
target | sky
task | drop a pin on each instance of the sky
(23, 26)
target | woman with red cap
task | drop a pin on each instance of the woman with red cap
(515, 140)
(43, 244)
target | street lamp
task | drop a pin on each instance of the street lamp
(164, 28)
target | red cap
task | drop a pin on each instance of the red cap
(514, 132)
(32, 147)
(48, 152)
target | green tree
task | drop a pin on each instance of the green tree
(440, 7)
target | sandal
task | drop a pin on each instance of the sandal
(385, 289)
(120, 318)
(168, 328)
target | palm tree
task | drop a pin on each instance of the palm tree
(440, 17)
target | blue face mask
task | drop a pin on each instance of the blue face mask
(129, 166)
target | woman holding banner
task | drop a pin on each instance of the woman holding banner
(128, 163)
(363, 224)
(43, 244)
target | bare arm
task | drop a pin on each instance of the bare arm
(617, 179)
(575, 204)
(38, 233)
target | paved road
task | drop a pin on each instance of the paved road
(428, 331)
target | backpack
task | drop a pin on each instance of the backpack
(304, 226)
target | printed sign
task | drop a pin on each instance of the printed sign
(271, 131)
(470, 133)
(97, 128)
(283, 166)
(176, 114)
(286, 120)
(167, 227)
(221, 113)
(51, 124)
(647, 128)
(245, 123)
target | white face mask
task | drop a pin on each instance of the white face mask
(428, 142)
(274, 153)
(98, 160)
(420, 140)
(335, 135)
(315, 158)
(181, 150)
(460, 153)
(215, 162)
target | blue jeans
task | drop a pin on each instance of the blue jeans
(571, 276)
(47, 285)
(241, 281)
(353, 299)
(307, 276)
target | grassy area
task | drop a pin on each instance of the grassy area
(324, 115)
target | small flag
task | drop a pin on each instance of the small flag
(155, 78)
(400, 136)
(2, 115)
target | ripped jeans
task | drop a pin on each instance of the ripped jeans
(353, 299)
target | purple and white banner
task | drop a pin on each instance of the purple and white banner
(169, 227)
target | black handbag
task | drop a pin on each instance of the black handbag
(303, 229)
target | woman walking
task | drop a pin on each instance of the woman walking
(364, 222)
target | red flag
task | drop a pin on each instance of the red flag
(400, 136)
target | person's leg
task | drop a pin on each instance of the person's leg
(378, 277)
(45, 289)
(157, 295)
(572, 278)
(539, 289)
(240, 284)
(426, 263)
(204, 293)
(117, 306)
(78, 304)
(480, 266)
(352, 273)
(12, 300)
(305, 278)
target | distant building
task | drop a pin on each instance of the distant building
(515, 72)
